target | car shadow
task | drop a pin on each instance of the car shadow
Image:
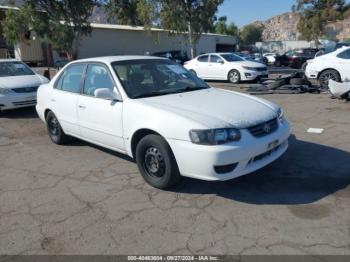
(307, 173)
(20, 113)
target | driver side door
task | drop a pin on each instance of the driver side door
(100, 120)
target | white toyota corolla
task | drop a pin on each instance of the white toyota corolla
(18, 84)
(163, 116)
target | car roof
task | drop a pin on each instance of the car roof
(110, 59)
(216, 54)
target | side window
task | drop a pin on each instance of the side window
(215, 59)
(70, 79)
(203, 58)
(97, 77)
(345, 54)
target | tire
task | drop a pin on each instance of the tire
(326, 75)
(156, 162)
(234, 77)
(299, 82)
(276, 84)
(55, 130)
(303, 67)
(193, 72)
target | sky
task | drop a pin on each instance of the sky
(243, 12)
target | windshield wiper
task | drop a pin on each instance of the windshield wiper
(153, 94)
(183, 90)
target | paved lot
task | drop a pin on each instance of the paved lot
(81, 199)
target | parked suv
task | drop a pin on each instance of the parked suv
(296, 58)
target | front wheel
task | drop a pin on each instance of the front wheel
(156, 162)
(234, 77)
(193, 72)
(55, 130)
(327, 75)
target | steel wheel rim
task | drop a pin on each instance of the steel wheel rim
(234, 77)
(53, 126)
(154, 163)
(326, 77)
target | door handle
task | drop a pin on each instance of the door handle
(82, 106)
(53, 100)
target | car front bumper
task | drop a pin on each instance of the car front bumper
(17, 100)
(247, 155)
(253, 75)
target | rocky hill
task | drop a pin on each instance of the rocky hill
(284, 27)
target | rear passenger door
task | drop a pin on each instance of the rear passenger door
(100, 120)
(65, 97)
(217, 67)
(342, 64)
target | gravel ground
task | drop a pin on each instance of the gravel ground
(82, 199)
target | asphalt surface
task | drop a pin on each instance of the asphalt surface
(82, 199)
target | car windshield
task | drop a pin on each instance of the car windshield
(232, 57)
(155, 77)
(14, 69)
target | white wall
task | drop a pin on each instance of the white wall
(104, 42)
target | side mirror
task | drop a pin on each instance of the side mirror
(221, 62)
(107, 94)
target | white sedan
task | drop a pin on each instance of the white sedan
(18, 84)
(226, 66)
(163, 116)
(271, 57)
(332, 66)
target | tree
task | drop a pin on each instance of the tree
(16, 25)
(62, 22)
(132, 12)
(192, 17)
(250, 34)
(125, 11)
(316, 14)
(221, 27)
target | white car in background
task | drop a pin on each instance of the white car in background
(163, 116)
(226, 66)
(18, 84)
(332, 66)
(271, 58)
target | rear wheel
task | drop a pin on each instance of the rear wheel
(55, 130)
(303, 67)
(156, 162)
(327, 75)
(234, 77)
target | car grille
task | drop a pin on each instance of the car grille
(261, 69)
(264, 129)
(25, 103)
(26, 89)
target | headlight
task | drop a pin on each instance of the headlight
(280, 114)
(215, 136)
(4, 91)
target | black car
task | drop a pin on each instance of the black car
(176, 56)
(341, 44)
(296, 58)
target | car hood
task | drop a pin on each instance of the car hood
(22, 81)
(249, 64)
(216, 108)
